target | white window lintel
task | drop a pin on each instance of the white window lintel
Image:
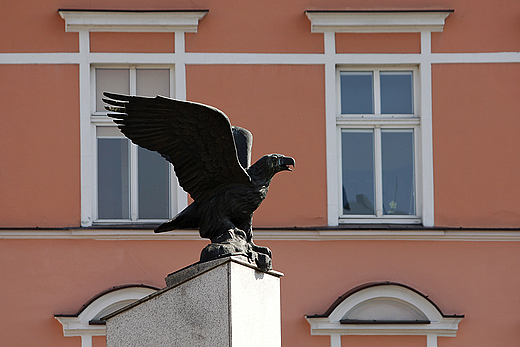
(131, 21)
(377, 21)
(102, 304)
(372, 302)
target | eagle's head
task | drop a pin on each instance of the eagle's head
(279, 162)
(269, 165)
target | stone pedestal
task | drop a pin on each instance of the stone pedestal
(224, 302)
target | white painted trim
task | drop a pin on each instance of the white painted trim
(271, 234)
(102, 306)
(180, 93)
(128, 21)
(383, 23)
(178, 198)
(86, 150)
(425, 134)
(377, 122)
(431, 340)
(376, 21)
(331, 130)
(439, 325)
(260, 58)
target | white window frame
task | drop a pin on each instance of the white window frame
(377, 122)
(379, 297)
(101, 305)
(86, 21)
(330, 22)
(100, 119)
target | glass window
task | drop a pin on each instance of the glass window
(113, 179)
(358, 171)
(396, 92)
(357, 92)
(153, 183)
(398, 172)
(152, 82)
(133, 183)
(111, 80)
(378, 166)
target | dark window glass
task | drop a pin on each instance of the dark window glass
(396, 92)
(113, 179)
(357, 92)
(358, 172)
(398, 172)
(153, 173)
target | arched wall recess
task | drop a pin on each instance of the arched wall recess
(86, 322)
(384, 308)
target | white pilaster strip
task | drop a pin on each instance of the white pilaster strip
(431, 340)
(180, 93)
(85, 125)
(335, 340)
(86, 340)
(330, 128)
(426, 183)
(180, 66)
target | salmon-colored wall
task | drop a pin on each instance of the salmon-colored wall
(254, 27)
(387, 341)
(34, 26)
(41, 278)
(378, 43)
(132, 42)
(39, 141)
(283, 106)
(479, 26)
(266, 27)
(476, 145)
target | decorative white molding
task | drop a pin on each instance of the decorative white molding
(384, 309)
(377, 21)
(271, 234)
(112, 300)
(131, 21)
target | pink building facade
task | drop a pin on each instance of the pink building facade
(402, 117)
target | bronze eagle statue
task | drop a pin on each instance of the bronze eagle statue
(211, 159)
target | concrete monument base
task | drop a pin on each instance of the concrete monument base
(223, 302)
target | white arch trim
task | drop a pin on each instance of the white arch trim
(86, 323)
(384, 308)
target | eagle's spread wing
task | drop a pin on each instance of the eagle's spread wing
(197, 139)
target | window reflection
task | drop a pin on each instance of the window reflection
(358, 172)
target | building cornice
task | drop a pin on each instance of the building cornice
(131, 20)
(377, 21)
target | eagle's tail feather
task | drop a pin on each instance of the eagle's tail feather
(186, 219)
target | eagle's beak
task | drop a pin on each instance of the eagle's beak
(284, 163)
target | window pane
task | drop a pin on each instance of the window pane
(113, 179)
(154, 188)
(357, 147)
(396, 92)
(398, 172)
(152, 82)
(357, 92)
(111, 80)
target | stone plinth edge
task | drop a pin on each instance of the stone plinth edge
(189, 272)
(196, 269)
(223, 302)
